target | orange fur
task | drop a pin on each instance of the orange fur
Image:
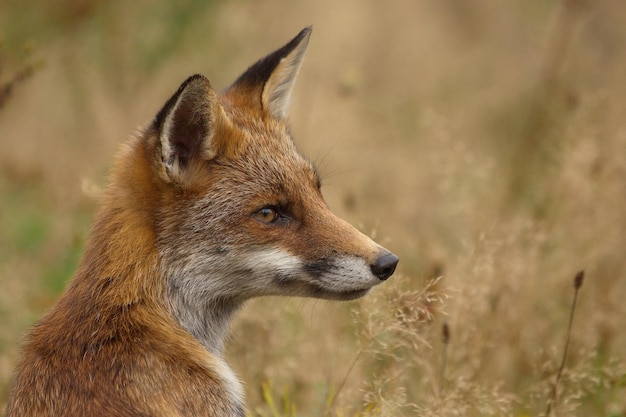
(207, 207)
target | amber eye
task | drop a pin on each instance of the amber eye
(267, 214)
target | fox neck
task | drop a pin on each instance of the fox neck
(206, 320)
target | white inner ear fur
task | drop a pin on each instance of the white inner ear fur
(167, 151)
(277, 90)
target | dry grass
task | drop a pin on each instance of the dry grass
(483, 142)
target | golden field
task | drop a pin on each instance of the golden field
(483, 142)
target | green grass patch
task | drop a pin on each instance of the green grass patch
(25, 227)
(58, 275)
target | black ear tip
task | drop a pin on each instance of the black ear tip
(304, 33)
(302, 36)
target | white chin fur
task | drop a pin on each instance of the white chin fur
(345, 274)
(349, 273)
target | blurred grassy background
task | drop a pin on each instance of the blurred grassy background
(484, 142)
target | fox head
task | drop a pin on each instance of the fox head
(240, 211)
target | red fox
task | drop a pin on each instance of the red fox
(209, 206)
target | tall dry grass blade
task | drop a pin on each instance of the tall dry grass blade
(578, 282)
(330, 404)
(445, 335)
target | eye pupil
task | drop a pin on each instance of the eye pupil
(268, 213)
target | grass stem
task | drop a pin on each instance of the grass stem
(578, 282)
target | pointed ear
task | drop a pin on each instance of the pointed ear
(270, 80)
(186, 126)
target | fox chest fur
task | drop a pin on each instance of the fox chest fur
(209, 206)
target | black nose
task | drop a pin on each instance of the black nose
(385, 265)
